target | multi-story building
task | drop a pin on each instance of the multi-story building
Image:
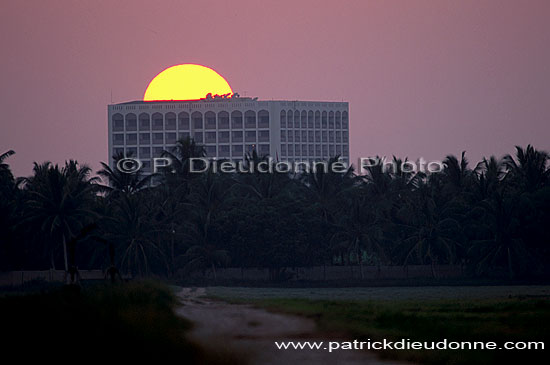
(230, 127)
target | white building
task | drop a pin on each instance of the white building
(228, 128)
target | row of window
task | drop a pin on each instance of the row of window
(182, 121)
(310, 119)
(220, 151)
(314, 150)
(119, 139)
(314, 136)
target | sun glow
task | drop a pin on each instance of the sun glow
(186, 82)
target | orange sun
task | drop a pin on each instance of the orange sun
(186, 82)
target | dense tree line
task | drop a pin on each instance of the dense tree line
(492, 218)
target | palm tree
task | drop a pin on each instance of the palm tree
(132, 228)
(6, 177)
(529, 168)
(122, 182)
(431, 234)
(504, 246)
(359, 231)
(489, 174)
(60, 201)
(457, 175)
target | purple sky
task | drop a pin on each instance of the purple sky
(423, 78)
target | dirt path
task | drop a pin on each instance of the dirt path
(251, 332)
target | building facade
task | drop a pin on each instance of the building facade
(230, 127)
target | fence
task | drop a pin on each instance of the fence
(16, 278)
(333, 273)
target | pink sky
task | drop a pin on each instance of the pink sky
(423, 78)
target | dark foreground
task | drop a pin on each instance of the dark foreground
(131, 322)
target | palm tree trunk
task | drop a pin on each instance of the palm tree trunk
(214, 271)
(65, 254)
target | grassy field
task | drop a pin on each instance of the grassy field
(496, 314)
(101, 323)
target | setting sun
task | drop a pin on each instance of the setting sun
(186, 82)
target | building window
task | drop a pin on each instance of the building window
(118, 139)
(236, 136)
(263, 119)
(223, 150)
(263, 136)
(290, 150)
(296, 136)
(304, 150)
(318, 150)
(297, 150)
(304, 136)
(338, 136)
(331, 150)
(249, 148)
(310, 136)
(131, 138)
(283, 119)
(197, 136)
(339, 149)
(118, 122)
(158, 151)
(183, 135)
(131, 152)
(183, 121)
(324, 120)
(263, 149)
(131, 122)
(236, 120)
(170, 121)
(289, 119)
(145, 152)
(331, 136)
(250, 119)
(197, 120)
(158, 138)
(144, 122)
(345, 120)
(310, 150)
(170, 138)
(338, 122)
(250, 136)
(223, 120)
(310, 119)
(345, 150)
(325, 151)
(317, 119)
(325, 139)
(317, 136)
(283, 136)
(296, 119)
(210, 151)
(290, 136)
(331, 120)
(210, 120)
(345, 137)
(144, 138)
(304, 119)
(210, 137)
(158, 123)
(283, 150)
(223, 137)
(237, 150)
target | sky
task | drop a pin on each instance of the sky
(422, 78)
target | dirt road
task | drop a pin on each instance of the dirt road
(250, 333)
